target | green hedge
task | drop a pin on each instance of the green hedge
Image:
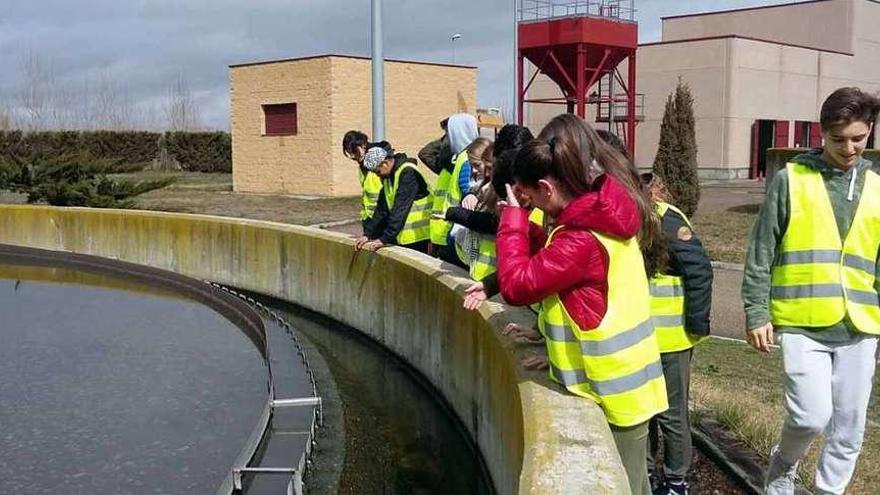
(200, 151)
(129, 150)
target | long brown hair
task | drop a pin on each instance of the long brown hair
(570, 150)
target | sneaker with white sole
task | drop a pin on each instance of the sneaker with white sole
(670, 488)
(780, 475)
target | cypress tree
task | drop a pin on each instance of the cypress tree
(676, 159)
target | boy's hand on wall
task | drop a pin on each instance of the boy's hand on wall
(761, 338)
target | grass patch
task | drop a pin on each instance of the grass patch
(211, 194)
(725, 234)
(743, 390)
(183, 180)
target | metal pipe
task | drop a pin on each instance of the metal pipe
(631, 107)
(378, 73)
(611, 124)
(516, 82)
(306, 401)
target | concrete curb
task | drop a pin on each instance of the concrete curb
(739, 462)
(722, 265)
(743, 464)
(330, 225)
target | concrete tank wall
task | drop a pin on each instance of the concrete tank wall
(534, 437)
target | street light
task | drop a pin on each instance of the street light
(455, 37)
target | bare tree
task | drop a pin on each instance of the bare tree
(37, 92)
(112, 107)
(182, 110)
(6, 117)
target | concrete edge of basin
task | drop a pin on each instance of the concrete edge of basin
(534, 437)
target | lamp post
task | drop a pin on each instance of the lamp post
(378, 73)
(455, 37)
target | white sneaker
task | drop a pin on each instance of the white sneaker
(780, 475)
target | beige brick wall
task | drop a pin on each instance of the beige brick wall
(289, 164)
(333, 95)
(417, 98)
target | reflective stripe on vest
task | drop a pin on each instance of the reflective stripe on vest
(447, 186)
(445, 180)
(371, 188)
(616, 364)
(417, 226)
(454, 192)
(816, 279)
(487, 262)
(667, 302)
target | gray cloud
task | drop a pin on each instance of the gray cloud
(146, 44)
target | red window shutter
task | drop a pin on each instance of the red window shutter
(815, 135)
(280, 119)
(781, 130)
(755, 152)
(800, 134)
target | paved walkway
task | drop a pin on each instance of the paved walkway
(728, 319)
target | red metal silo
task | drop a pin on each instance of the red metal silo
(577, 44)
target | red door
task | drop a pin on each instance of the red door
(799, 133)
(781, 134)
(756, 153)
(815, 135)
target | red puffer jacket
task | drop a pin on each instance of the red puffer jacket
(575, 265)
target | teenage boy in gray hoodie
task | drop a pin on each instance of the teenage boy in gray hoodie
(810, 281)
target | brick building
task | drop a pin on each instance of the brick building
(288, 117)
(758, 76)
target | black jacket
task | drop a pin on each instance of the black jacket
(688, 260)
(481, 222)
(386, 224)
(437, 155)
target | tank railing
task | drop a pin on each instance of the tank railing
(234, 481)
(536, 10)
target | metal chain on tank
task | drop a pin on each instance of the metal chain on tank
(305, 462)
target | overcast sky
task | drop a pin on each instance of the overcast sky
(144, 45)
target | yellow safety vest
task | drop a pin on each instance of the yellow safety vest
(487, 261)
(445, 192)
(417, 226)
(371, 187)
(667, 302)
(816, 279)
(537, 217)
(616, 364)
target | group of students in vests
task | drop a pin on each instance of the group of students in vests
(622, 286)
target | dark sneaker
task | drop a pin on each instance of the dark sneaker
(672, 488)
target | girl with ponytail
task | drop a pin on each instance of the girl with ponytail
(589, 277)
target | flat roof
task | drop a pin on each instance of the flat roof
(359, 57)
(744, 9)
(749, 38)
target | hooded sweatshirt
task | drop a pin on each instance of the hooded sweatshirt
(462, 130)
(844, 191)
(575, 264)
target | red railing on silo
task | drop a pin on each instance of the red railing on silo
(577, 44)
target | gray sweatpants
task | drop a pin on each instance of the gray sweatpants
(673, 423)
(827, 388)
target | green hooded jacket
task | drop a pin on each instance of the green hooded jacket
(770, 227)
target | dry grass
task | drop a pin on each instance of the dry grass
(743, 390)
(725, 235)
(211, 194)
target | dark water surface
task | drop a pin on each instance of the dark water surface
(119, 391)
(398, 435)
